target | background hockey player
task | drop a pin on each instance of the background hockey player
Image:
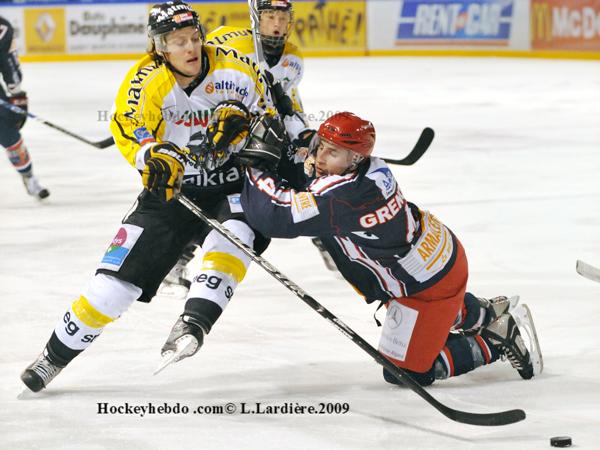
(389, 250)
(283, 59)
(167, 105)
(10, 122)
(285, 66)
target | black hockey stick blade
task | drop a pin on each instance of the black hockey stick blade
(104, 143)
(418, 150)
(487, 419)
(479, 419)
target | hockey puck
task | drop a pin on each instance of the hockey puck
(560, 441)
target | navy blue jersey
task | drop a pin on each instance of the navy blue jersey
(383, 245)
(10, 70)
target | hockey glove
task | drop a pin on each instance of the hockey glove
(163, 173)
(20, 99)
(204, 155)
(283, 103)
(306, 139)
(266, 142)
(228, 126)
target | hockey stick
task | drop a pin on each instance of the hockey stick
(588, 271)
(15, 109)
(418, 150)
(489, 419)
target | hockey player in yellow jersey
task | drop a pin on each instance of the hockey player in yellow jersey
(283, 62)
(181, 115)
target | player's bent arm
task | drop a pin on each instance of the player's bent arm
(10, 68)
(137, 122)
(279, 212)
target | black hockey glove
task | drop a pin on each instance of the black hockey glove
(283, 103)
(163, 173)
(228, 125)
(266, 142)
(306, 139)
(20, 99)
(205, 156)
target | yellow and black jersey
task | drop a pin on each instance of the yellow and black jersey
(288, 70)
(151, 107)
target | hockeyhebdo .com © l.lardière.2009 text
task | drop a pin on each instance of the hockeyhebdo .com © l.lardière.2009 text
(106, 116)
(230, 408)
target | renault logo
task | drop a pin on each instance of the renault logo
(45, 27)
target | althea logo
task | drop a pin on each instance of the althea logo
(224, 85)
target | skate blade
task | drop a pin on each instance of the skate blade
(26, 394)
(522, 316)
(186, 346)
(173, 291)
(513, 302)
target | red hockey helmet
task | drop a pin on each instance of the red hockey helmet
(350, 132)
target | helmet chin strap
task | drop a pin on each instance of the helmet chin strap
(356, 160)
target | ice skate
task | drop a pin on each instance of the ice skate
(499, 305)
(505, 335)
(176, 284)
(185, 339)
(494, 308)
(34, 188)
(40, 373)
(327, 259)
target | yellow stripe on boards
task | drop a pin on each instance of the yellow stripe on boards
(545, 54)
(226, 263)
(90, 315)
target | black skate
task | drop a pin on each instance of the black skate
(40, 373)
(186, 337)
(505, 335)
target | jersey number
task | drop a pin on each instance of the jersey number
(3, 31)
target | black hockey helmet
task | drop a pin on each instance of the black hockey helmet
(170, 16)
(274, 44)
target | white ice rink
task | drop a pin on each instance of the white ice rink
(514, 170)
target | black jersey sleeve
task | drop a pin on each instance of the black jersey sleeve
(10, 69)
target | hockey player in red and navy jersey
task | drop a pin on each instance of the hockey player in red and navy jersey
(388, 249)
(11, 122)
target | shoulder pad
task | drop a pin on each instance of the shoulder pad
(6, 34)
(292, 49)
(142, 69)
(229, 57)
(380, 173)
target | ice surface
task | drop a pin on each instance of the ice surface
(514, 170)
